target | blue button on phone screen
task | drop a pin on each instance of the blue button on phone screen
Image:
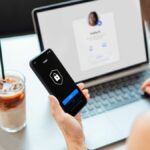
(70, 97)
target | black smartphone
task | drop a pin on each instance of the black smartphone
(58, 82)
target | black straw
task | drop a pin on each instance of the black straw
(2, 64)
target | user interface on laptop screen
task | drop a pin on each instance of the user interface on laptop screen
(95, 38)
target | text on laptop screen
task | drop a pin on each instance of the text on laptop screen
(95, 38)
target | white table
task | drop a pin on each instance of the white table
(41, 132)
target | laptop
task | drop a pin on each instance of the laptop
(103, 44)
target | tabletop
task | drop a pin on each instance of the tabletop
(41, 131)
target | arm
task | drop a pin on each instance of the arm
(70, 126)
(139, 138)
(140, 134)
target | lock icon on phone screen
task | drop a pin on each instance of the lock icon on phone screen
(56, 77)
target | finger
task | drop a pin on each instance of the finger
(56, 109)
(85, 91)
(86, 94)
(81, 86)
(147, 90)
(146, 83)
(88, 97)
(78, 117)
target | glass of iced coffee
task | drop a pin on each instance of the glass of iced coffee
(12, 102)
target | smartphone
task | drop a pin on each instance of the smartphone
(58, 82)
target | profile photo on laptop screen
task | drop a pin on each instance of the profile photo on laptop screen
(96, 40)
(93, 19)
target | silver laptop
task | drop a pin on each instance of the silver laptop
(101, 43)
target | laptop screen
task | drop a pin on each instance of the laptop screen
(94, 38)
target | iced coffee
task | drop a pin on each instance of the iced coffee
(12, 102)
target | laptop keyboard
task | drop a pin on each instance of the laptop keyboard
(113, 94)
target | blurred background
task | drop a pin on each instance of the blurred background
(16, 15)
(146, 10)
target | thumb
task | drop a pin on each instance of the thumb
(56, 109)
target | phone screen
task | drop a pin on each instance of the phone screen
(58, 82)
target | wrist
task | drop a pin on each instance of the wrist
(76, 146)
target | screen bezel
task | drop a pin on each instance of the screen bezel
(71, 3)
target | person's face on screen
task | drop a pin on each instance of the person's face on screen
(93, 19)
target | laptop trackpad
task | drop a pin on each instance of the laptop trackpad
(98, 131)
(113, 125)
(123, 117)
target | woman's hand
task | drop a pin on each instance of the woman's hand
(70, 126)
(146, 86)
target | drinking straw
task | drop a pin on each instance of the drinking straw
(2, 64)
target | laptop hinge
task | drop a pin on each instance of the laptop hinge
(114, 76)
